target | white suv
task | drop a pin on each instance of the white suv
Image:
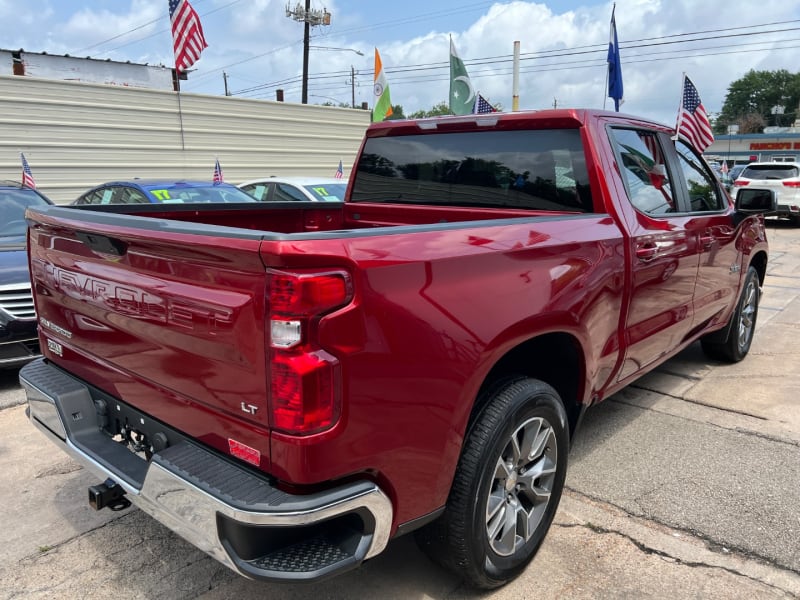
(783, 177)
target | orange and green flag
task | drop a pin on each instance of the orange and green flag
(383, 103)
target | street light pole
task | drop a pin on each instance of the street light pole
(352, 68)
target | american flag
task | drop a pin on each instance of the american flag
(482, 106)
(339, 171)
(217, 172)
(693, 124)
(187, 34)
(27, 176)
(651, 143)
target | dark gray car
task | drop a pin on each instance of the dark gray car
(19, 341)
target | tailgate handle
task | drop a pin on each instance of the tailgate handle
(103, 243)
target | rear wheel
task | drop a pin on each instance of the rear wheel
(741, 327)
(506, 488)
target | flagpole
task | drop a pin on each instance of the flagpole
(680, 105)
(180, 108)
(188, 42)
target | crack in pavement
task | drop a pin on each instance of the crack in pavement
(77, 536)
(644, 548)
(742, 430)
(711, 544)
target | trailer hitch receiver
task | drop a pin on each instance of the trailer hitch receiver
(110, 494)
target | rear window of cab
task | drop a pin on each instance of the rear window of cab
(537, 170)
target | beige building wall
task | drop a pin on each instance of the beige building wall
(78, 135)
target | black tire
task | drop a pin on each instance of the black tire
(506, 488)
(741, 326)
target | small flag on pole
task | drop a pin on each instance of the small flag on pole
(693, 124)
(339, 171)
(218, 173)
(27, 176)
(614, 65)
(188, 41)
(482, 106)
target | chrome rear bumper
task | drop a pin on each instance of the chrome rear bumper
(235, 515)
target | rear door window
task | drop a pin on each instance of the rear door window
(701, 187)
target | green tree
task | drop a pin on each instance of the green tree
(397, 112)
(751, 100)
(443, 108)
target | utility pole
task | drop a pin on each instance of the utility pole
(306, 39)
(353, 86)
(225, 80)
(308, 17)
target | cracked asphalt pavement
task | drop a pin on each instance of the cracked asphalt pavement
(684, 485)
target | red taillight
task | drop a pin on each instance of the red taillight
(305, 386)
(307, 294)
(739, 182)
(792, 184)
(304, 392)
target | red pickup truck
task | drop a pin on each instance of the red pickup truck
(291, 385)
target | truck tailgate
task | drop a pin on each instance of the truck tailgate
(168, 321)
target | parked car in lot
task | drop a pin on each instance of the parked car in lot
(729, 178)
(735, 171)
(293, 189)
(19, 341)
(152, 191)
(783, 178)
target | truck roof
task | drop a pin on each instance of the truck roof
(560, 117)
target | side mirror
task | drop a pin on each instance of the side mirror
(753, 201)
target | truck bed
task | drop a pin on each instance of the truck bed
(306, 217)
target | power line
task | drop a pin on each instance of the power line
(157, 33)
(423, 17)
(583, 64)
(557, 53)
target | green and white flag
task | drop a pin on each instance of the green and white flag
(383, 103)
(462, 94)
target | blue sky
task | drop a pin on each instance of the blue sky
(562, 45)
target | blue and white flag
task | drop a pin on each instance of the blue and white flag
(614, 65)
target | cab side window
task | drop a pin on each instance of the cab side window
(257, 191)
(95, 197)
(702, 189)
(642, 165)
(126, 195)
(288, 193)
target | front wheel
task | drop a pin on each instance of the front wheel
(506, 488)
(741, 326)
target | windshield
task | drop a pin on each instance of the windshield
(327, 192)
(211, 193)
(13, 203)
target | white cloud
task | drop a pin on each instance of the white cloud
(255, 43)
